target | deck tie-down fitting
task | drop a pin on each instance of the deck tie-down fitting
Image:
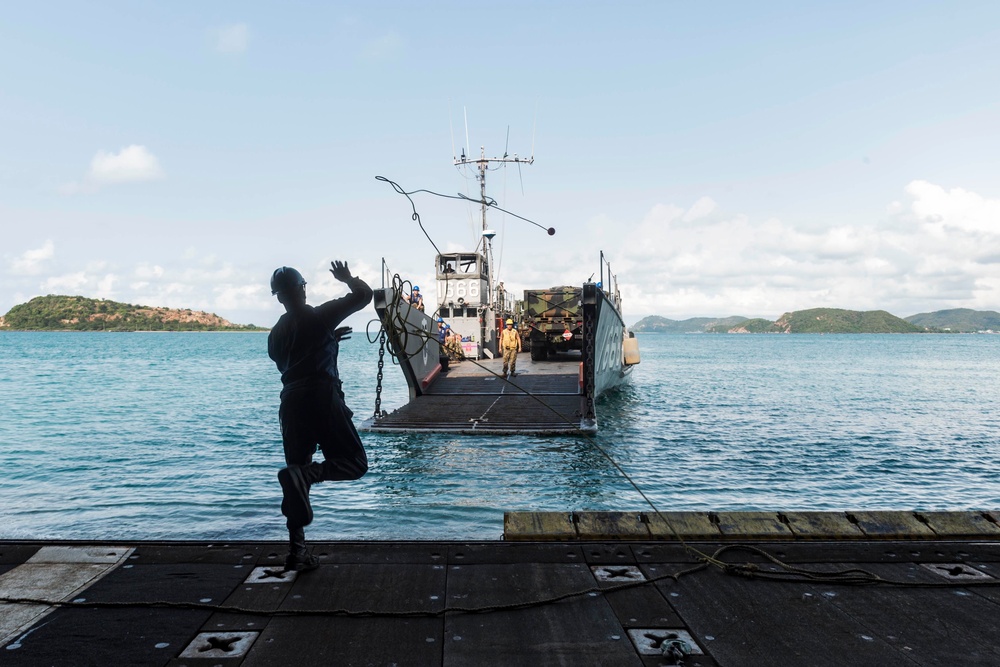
(672, 644)
(617, 573)
(220, 645)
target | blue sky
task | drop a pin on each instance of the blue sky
(729, 158)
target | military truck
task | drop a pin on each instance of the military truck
(552, 321)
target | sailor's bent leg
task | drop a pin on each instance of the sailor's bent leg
(344, 454)
(343, 469)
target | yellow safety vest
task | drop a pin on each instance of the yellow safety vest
(509, 339)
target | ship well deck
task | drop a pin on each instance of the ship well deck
(472, 397)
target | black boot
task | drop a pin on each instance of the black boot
(295, 496)
(299, 559)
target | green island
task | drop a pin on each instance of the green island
(78, 313)
(832, 321)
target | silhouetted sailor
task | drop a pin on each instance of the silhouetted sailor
(304, 344)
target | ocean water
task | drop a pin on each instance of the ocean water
(175, 436)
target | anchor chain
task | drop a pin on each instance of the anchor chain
(589, 369)
(378, 384)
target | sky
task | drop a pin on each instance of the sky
(728, 158)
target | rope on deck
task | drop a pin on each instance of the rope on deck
(787, 574)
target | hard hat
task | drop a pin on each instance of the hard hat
(509, 322)
(440, 320)
(286, 279)
(416, 288)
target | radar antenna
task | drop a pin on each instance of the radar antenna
(482, 165)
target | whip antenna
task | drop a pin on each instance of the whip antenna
(451, 129)
(534, 122)
(465, 112)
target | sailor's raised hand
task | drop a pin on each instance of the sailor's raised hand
(342, 333)
(340, 271)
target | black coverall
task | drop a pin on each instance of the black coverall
(304, 347)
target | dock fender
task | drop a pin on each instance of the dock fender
(430, 377)
(630, 349)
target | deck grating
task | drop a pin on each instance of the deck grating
(543, 397)
(538, 603)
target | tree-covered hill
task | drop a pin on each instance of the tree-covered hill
(963, 320)
(77, 313)
(756, 325)
(829, 320)
(657, 324)
(836, 320)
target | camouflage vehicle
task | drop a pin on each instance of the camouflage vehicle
(552, 321)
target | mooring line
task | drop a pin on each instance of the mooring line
(704, 559)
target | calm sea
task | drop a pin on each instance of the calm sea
(175, 436)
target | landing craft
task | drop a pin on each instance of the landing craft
(459, 387)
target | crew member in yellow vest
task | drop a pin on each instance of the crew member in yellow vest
(510, 345)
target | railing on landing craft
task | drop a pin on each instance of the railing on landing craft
(609, 284)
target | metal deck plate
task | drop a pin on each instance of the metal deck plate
(472, 397)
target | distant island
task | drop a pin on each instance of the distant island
(78, 313)
(832, 320)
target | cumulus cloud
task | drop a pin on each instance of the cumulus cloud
(232, 39)
(240, 297)
(31, 262)
(67, 283)
(145, 271)
(699, 209)
(957, 209)
(933, 249)
(132, 164)
(106, 286)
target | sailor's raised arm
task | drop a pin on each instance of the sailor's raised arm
(359, 296)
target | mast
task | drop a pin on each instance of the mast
(482, 166)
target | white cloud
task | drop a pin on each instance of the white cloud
(146, 271)
(240, 297)
(66, 283)
(31, 262)
(106, 286)
(955, 208)
(939, 248)
(700, 209)
(232, 38)
(132, 164)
